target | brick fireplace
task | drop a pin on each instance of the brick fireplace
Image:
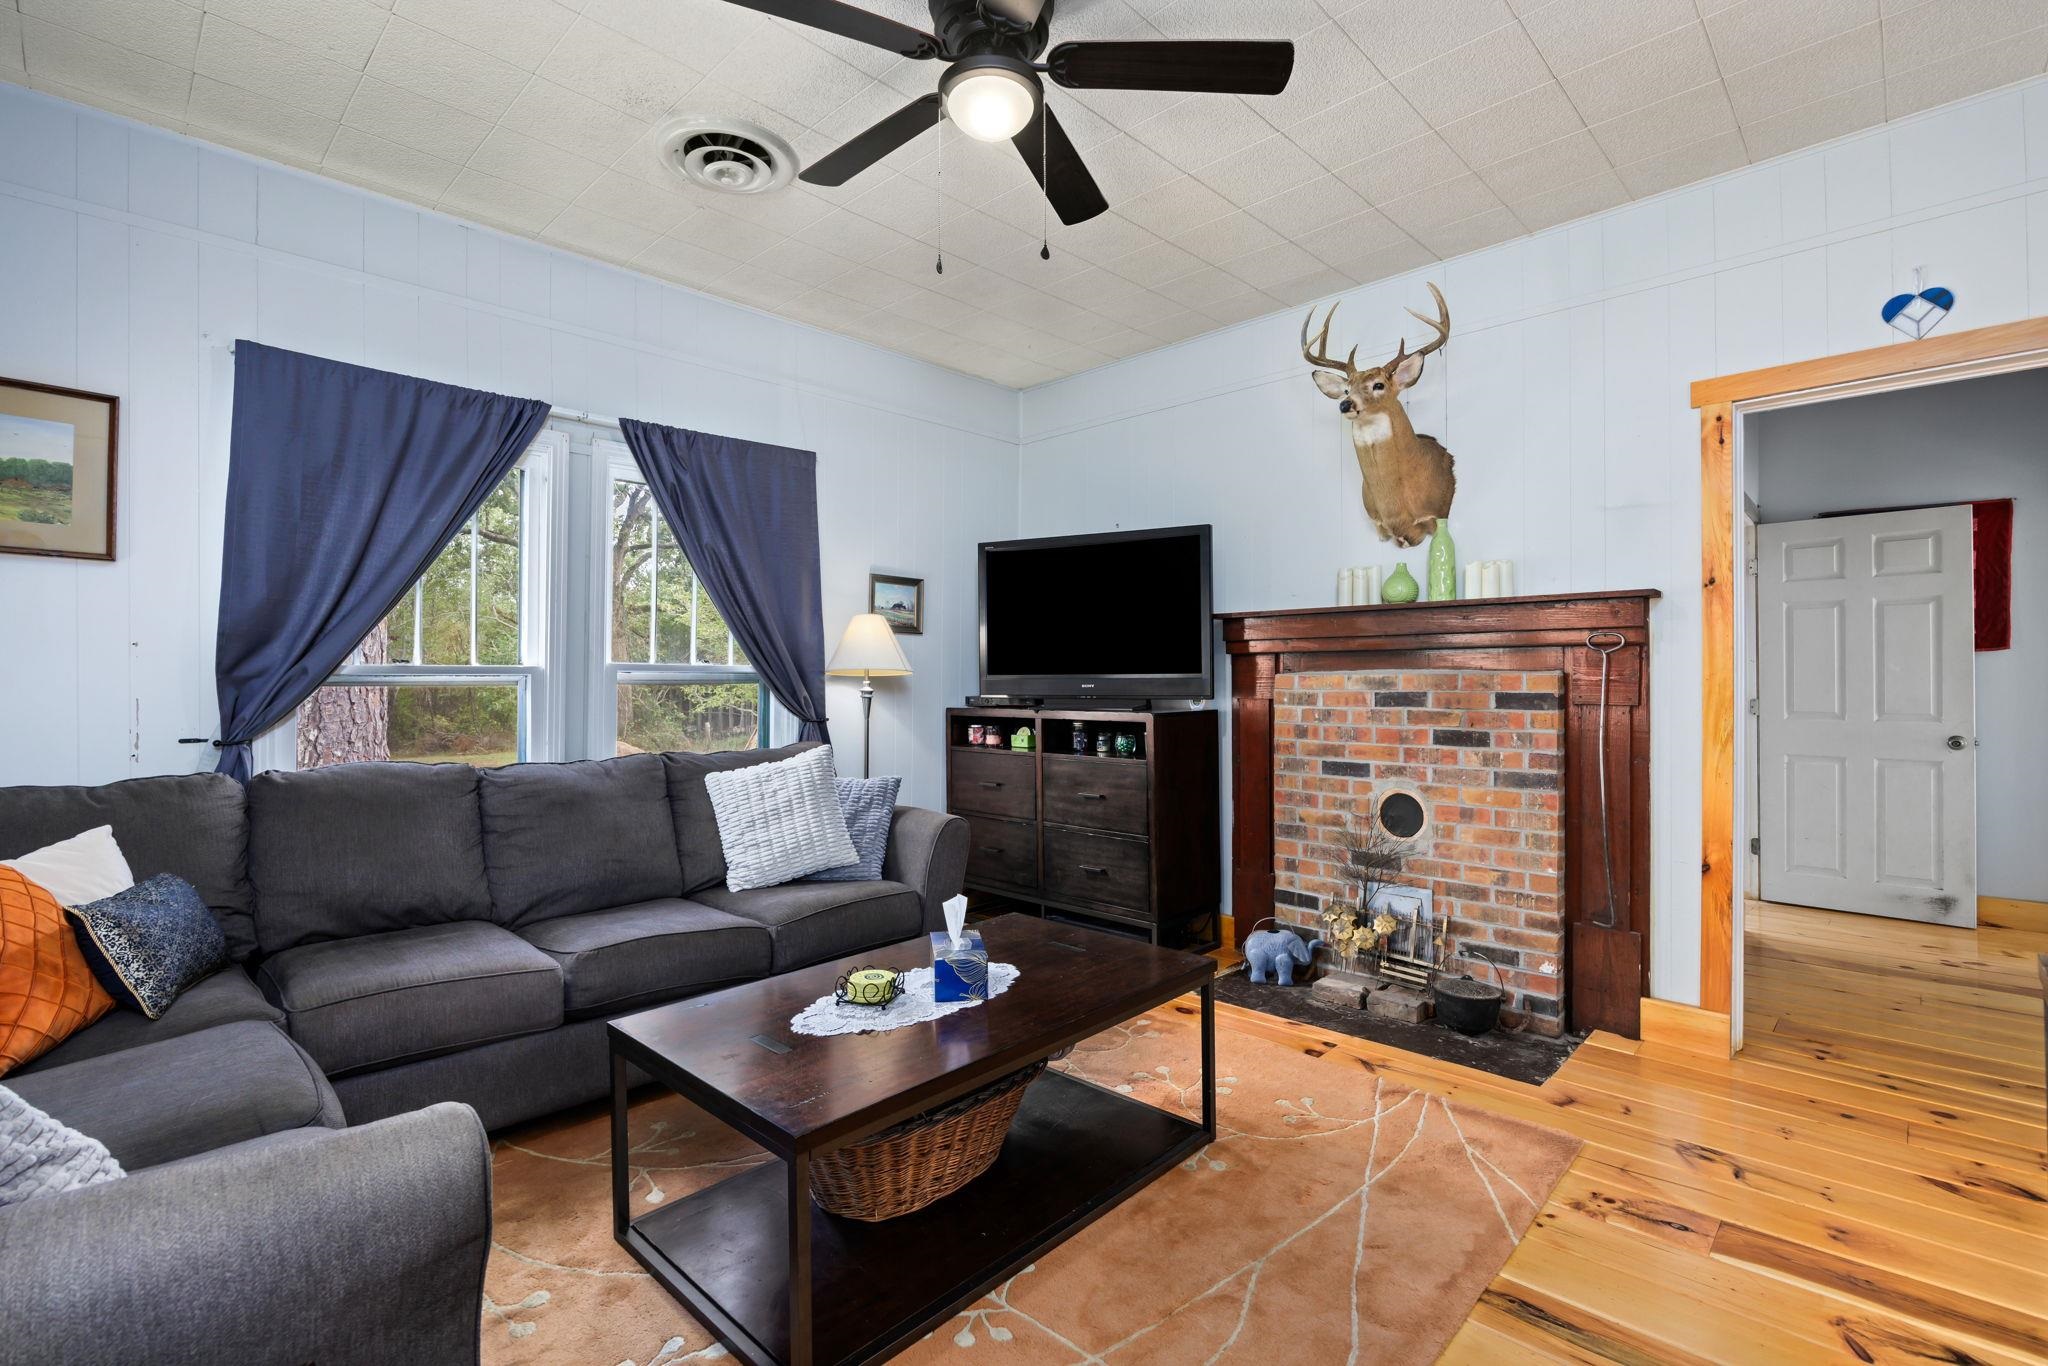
(1483, 752)
(1489, 710)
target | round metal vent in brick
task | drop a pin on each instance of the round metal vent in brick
(730, 156)
(1401, 814)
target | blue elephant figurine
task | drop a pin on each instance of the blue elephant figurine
(1276, 952)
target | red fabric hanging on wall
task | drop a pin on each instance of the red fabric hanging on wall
(1991, 521)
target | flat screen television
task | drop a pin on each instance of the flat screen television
(1122, 615)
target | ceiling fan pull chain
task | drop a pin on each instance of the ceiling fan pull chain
(939, 210)
(1045, 179)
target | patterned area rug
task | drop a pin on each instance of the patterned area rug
(1339, 1217)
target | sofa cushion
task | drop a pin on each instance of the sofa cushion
(227, 997)
(190, 824)
(150, 942)
(869, 806)
(637, 955)
(814, 921)
(696, 823)
(565, 838)
(47, 989)
(170, 1099)
(382, 998)
(363, 848)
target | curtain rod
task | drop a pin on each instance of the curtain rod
(570, 414)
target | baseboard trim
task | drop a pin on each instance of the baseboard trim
(1687, 1028)
(2010, 913)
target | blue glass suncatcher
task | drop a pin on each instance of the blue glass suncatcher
(959, 974)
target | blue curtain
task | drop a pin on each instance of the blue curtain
(746, 515)
(343, 485)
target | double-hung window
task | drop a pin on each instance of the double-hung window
(674, 677)
(459, 669)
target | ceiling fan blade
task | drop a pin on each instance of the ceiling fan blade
(1024, 12)
(849, 22)
(1224, 67)
(1075, 196)
(852, 157)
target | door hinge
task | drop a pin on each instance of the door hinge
(1754, 710)
(1756, 844)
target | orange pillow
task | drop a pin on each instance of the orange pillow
(47, 992)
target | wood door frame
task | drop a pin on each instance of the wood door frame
(1721, 401)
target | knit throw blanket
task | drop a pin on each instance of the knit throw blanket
(39, 1156)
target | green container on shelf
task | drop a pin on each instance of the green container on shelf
(1443, 563)
(1400, 586)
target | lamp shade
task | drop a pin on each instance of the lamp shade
(869, 649)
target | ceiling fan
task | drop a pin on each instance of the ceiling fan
(991, 86)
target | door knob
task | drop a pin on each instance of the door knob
(1956, 742)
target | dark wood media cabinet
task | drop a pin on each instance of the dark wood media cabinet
(1135, 842)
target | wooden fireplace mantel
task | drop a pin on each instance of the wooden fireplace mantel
(1544, 633)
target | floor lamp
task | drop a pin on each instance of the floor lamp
(868, 651)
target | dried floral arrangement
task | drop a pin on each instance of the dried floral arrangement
(1373, 857)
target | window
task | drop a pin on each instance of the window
(676, 677)
(455, 671)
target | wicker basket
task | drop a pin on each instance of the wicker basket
(906, 1167)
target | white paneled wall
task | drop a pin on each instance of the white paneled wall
(1563, 395)
(130, 260)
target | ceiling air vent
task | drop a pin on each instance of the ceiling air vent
(731, 156)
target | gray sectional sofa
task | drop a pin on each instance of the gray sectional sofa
(404, 936)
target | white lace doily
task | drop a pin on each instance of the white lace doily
(913, 1005)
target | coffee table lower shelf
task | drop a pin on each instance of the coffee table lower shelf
(1075, 1152)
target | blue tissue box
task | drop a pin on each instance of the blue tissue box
(959, 974)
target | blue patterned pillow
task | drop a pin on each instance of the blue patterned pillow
(149, 943)
(869, 805)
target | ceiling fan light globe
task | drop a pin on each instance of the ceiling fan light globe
(991, 104)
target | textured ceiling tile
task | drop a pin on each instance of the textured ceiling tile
(1392, 260)
(686, 262)
(876, 291)
(794, 210)
(1686, 117)
(1828, 67)
(518, 31)
(1374, 119)
(1566, 202)
(513, 156)
(1273, 265)
(1642, 75)
(257, 124)
(1476, 233)
(562, 118)
(1233, 19)
(1225, 238)
(412, 120)
(688, 30)
(1175, 206)
(1400, 35)
(1440, 205)
(1684, 165)
(1575, 33)
(1202, 128)
(1566, 161)
(757, 291)
(855, 238)
(167, 30)
(442, 69)
(724, 234)
(788, 74)
(1816, 122)
(598, 234)
(1108, 238)
(368, 159)
(1940, 29)
(1468, 79)
(1402, 170)
(1306, 208)
(264, 66)
(1259, 171)
(636, 201)
(1242, 307)
(1328, 69)
(1310, 288)
(344, 31)
(800, 261)
(1201, 287)
(500, 202)
(10, 41)
(2010, 59)
(1513, 126)
(612, 69)
(1758, 30)
(99, 68)
(1350, 239)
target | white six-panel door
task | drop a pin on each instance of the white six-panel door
(1867, 714)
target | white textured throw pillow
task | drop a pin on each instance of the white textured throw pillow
(780, 821)
(83, 868)
(40, 1156)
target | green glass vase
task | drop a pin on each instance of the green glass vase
(1443, 563)
(1400, 586)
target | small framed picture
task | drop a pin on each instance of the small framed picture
(898, 601)
(57, 452)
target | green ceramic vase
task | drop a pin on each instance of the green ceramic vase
(1400, 586)
(1443, 563)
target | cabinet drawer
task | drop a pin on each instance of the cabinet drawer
(1080, 866)
(1004, 852)
(1101, 794)
(993, 784)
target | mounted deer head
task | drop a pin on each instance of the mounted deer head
(1409, 482)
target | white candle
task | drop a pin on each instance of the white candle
(1472, 579)
(1344, 598)
(1507, 578)
(1368, 584)
(1489, 579)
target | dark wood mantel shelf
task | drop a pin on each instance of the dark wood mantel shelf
(1526, 634)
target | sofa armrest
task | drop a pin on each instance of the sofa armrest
(338, 1246)
(928, 851)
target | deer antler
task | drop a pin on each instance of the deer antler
(1442, 322)
(1318, 354)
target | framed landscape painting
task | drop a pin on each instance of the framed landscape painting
(900, 602)
(57, 453)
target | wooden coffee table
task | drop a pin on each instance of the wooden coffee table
(780, 1281)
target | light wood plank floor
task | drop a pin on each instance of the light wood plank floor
(1865, 1183)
